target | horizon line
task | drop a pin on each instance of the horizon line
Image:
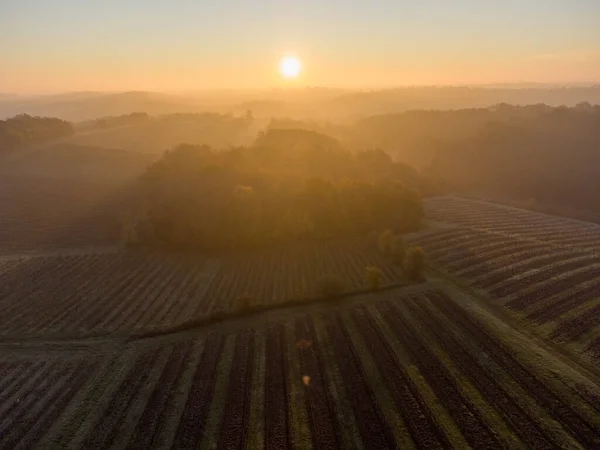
(496, 85)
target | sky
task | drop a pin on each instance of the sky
(111, 45)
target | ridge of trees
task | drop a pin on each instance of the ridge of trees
(23, 130)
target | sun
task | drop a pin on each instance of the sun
(290, 67)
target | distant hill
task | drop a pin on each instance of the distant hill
(313, 102)
(146, 134)
(85, 106)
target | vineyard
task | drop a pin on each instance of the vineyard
(64, 196)
(405, 368)
(124, 292)
(543, 269)
(515, 222)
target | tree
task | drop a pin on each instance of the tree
(374, 276)
(398, 250)
(386, 241)
(415, 262)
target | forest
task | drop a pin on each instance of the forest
(536, 156)
(546, 161)
(290, 185)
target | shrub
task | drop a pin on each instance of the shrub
(398, 250)
(374, 276)
(385, 241)
(414, 263)
(330, 286)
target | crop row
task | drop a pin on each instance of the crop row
(575, 327)
(407, 356)
(553, 286)
(126, 291)
(323, 426)
(464, 413)
(564, 304)
(99, 293)
(519, 223)
(552, 267)
(585, 430)
(524, 424)
(524, 274)
(33, 395)
(277, 275)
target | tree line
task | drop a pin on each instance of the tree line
(23, 130)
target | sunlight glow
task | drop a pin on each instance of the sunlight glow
(290, 67)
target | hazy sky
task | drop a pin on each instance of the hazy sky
(70, 45)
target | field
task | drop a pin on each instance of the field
(545, 270)
(63, 196)
(127, 291)
(411, 367)
(102, 347)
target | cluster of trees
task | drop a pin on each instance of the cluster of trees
(24, 130)
(541, 156)
(289, 186)
(547, 159)
(411, 259)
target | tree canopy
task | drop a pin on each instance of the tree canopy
(287, 187)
